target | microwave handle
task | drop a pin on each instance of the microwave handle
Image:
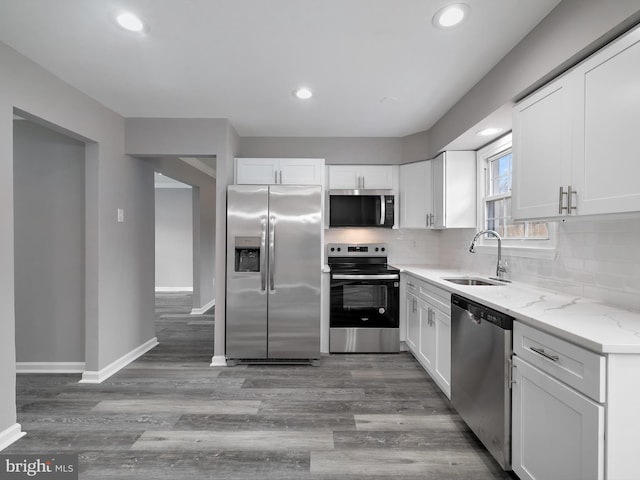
(383, 207)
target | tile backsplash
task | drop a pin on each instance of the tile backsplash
(405, 246)
(598, 258)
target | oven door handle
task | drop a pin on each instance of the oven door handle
(341, 276)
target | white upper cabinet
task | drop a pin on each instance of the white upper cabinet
(416, 197)
(453, 183)
(575, 140)
(353, 177)
(607, 160)
(541, 151)
(283, 171)
(439, 193)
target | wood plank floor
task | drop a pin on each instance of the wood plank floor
(169, 415)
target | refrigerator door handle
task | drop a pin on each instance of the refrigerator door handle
(263, 255)
(272, 253)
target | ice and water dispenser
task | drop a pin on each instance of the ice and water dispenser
(247, 254)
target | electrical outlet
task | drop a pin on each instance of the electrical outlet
(120, 215)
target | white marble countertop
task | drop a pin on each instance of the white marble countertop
(585, 322)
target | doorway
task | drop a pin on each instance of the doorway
(49, 239)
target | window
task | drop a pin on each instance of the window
(495, 167)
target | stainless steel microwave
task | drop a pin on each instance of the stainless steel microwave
(361, 208)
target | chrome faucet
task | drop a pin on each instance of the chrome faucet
(501, 267)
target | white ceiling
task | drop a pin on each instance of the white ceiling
(377, 67)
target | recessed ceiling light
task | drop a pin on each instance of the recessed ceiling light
(487, 132)
(303, 93)
(451, 15)
(130, 22)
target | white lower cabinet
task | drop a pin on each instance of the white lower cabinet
(412, 320)
(557, 433)
(428, 327)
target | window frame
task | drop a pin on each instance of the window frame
(521, 247)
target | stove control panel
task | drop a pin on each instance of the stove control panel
(357, 249)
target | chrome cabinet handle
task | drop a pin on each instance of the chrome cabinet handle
(415, 305)
(570, 196)
(272, 253)
(281, 177)
(275, 177)
(570, 205)
(410, 285)
(510, 368)
(540, 351)
(560, 197)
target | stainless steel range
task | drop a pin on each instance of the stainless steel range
(364, 315)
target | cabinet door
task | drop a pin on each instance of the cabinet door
(343, 177)
(257, 171)
(415, 194)
(301, 171)
(542, 150)
(413, 326)
(438, 188)
(442, 360)
(377, 177)
(606, 172)
(557, 432)
(427, 347)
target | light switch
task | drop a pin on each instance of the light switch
(120, 215)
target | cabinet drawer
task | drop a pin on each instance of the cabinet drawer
(437, 297)
(580, 368)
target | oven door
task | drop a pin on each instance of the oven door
(364, 301)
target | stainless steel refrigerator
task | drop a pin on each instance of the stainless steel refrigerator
(274, 270)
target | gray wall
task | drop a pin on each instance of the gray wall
(162, 141)
(335, 150)
(119, 263)
(49, 244)
(174, 238)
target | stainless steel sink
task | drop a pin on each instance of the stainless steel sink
(472, 281)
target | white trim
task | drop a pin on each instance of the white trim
(174, 289)
(50, 367)
(101, 375)
(218, 361)
(204, 309)
(11, 435)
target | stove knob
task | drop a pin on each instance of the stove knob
(383, 249)
(333, 249)
(377, 249)
(339, 249)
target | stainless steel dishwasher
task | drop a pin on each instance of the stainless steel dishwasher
(481, 348)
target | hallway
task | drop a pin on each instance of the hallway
(169, 415)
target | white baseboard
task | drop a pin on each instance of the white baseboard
(10, 435)
(173, 289)
(219, 361)
(205, 309)
(101, 375)
(50, 367)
